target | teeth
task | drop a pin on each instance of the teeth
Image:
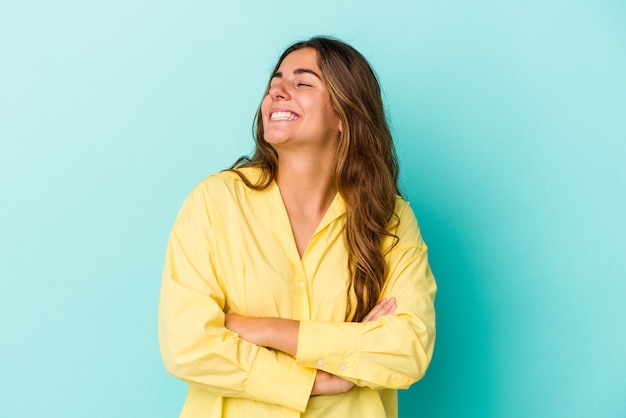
(283, 116)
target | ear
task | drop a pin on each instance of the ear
(340, 126)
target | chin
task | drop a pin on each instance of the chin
(275, 139)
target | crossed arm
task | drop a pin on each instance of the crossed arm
(282, 334)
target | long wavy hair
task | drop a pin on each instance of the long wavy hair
(366, 166)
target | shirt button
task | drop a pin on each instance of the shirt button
(320, 363)
(342, 366)
(301, 284)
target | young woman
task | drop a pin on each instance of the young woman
(297, 283)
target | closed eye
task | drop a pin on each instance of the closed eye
(304, 85)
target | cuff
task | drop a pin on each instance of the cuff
(291, 384)
(330, 346)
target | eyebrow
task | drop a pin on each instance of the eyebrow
(298, 71)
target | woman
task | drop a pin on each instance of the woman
(297, 283)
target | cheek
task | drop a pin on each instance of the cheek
(265, 105)
(265, 108)
(333, 117)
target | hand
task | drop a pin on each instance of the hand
(329, 384)
(382, 308)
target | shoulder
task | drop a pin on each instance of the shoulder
(217, 196)
(227, 182)
(218, 189)
(401, 206)
(403, 211)
(404, 223)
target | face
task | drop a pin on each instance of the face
(297, 111)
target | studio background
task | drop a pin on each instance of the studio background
(509, 119)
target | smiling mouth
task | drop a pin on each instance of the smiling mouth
(282, 115)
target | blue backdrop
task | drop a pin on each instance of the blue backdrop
(510, 121)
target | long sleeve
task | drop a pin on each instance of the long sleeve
(195, 345)
(394, 351)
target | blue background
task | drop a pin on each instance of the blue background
(510, 121)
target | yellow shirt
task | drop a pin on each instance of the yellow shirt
(232, 250)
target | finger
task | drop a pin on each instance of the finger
(371, 315)
(384, 307)
(391, 305)
(377, 311)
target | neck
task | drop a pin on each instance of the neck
(306, 183)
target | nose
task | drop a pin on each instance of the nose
(279, 92)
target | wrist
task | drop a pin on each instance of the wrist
(319, 384)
